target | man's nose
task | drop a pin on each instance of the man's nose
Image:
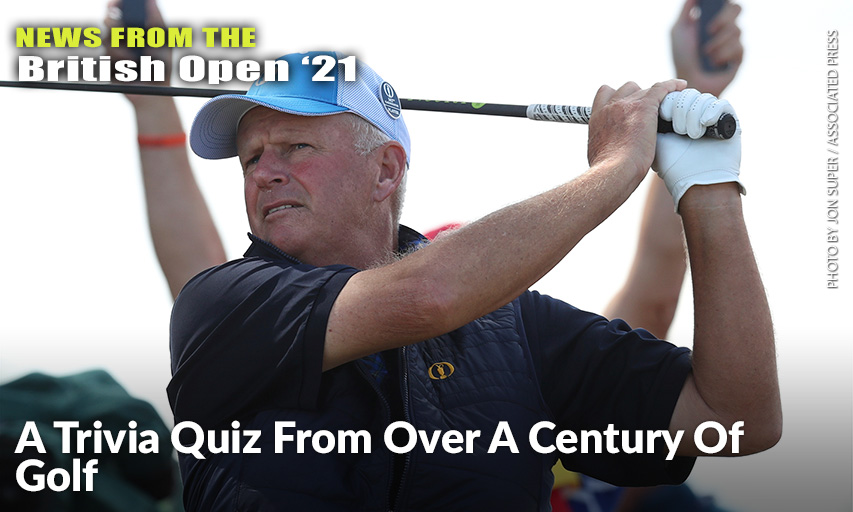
(270, 171)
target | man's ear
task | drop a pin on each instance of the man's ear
(392, 166)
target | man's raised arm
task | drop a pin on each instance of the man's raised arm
(734, 359)
(488, 263)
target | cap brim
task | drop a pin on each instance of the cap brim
(214, 130)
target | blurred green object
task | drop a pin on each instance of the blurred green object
(127, 482)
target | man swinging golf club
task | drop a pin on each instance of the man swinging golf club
(333, 320)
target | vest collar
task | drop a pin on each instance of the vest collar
(408, 241)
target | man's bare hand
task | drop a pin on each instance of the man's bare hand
(623, 126)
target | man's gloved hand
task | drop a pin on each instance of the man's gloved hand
(683, 161)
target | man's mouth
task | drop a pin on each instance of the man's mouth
(279, 206)
(282, 207)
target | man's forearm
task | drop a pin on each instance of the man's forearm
(182, 230)
(734, 357)
(650, 294)
(473, 270)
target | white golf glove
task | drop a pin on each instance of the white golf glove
(692, 160)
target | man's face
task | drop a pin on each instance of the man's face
(307, 190)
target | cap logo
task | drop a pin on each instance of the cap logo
(390, 100)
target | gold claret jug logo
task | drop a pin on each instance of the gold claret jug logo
(440, 371)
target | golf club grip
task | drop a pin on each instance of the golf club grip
(724, 128)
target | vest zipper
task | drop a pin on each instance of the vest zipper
(404, 394)
(386, 409)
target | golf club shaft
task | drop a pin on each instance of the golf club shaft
(723, 129)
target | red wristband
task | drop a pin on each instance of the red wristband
(162, 141)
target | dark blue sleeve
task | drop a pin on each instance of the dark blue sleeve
(593, 373)
(249, 335)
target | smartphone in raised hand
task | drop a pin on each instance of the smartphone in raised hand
(708, 10)
(133, 13)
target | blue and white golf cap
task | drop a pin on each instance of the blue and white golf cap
(214, 130)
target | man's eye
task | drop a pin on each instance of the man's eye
(250, 162)
(300, 145)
